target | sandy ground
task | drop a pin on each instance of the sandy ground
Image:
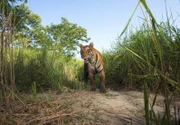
(112, 108)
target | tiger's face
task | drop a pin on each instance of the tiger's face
(87, 52)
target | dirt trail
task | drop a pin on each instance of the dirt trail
(112, 108)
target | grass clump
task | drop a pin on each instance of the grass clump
(47, 70)
(135, 57)
(148, 56)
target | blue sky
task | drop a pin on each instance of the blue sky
(103, 19)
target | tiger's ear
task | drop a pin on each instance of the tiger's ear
(80, 45)
(91, 44)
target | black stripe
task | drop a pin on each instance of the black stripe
(96, 58)
(98, 66)
(100, 71)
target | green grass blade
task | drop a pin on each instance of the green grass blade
(129, 20)
(172, 82)
(146, 103)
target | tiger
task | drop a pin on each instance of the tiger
(93, 64)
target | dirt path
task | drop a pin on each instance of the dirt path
(112, 108)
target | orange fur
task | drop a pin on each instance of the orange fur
(93, 64)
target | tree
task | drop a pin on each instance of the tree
(25, 21)
(29, 32)
(6, 7)
(6, 44)
(66, 36)
(62, 38)
(24, 18)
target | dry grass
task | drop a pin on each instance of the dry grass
(42, 111)
(77, 108)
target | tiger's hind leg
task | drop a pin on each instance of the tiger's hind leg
(102, 79)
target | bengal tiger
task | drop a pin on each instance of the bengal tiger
(93, 64)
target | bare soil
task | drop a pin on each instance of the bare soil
(78, 107)
(84, 107)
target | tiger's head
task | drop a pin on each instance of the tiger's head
(87, 52)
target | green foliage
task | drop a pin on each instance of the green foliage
(7, 5)
(24, 19)
(136, 54)
(62, 38)
(47, 70)
(42, 54)
(149, 56)
(65, 37)
(34, 90)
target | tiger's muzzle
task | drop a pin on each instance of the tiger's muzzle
(86, 60)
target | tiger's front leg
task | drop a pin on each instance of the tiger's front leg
(92, 81)
(102, 79)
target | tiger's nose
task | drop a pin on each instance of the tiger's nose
(85, 59)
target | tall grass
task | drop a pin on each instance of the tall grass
(150, 54)
(136, 55)
(7, 80)
(47, 69)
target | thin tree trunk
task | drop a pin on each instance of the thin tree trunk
(11, 52)
(2, 50)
